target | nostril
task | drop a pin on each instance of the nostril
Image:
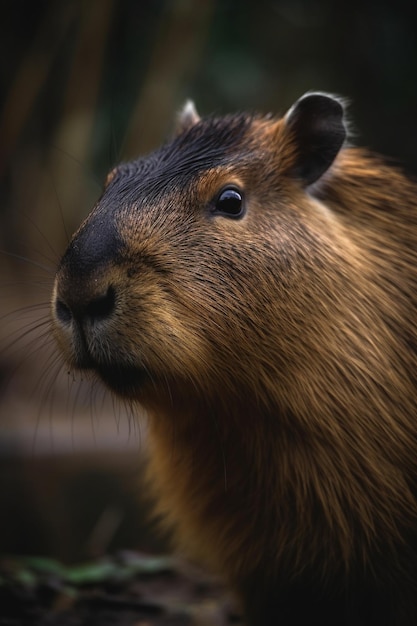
(96, 309)
(63, 312)
(101, 307)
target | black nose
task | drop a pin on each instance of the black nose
(93, 309)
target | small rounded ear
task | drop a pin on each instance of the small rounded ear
(317, 128)
(187, 117)
(110, 176)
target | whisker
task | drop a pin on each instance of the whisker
(35, 281)
(55, 255)
(17, 335)
(76, 402)
(61, 212)
(27, 309)
(82, 165)
(19, 257)
(46, 390)
(96, 388)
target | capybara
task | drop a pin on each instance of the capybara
(253, 285)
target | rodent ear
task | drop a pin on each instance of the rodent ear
(317, 127)
(187, 117)
(110, 176)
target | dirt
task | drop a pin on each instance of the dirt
(125, 590)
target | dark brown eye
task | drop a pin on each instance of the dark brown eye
(230, 203)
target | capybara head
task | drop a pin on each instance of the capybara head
(201, 267)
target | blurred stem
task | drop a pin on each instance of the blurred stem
(29, 80)
(183, 31)
(81, 98)
(73, 137)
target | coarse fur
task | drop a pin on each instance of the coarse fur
(275, 353)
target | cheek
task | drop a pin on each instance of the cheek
(166, 336)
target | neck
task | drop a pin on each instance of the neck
(233, 486)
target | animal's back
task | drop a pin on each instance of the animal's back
(253, 285)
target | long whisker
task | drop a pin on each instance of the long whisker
(61, 212)
(20, 257)
(55, 255)
(82, 165)
(18, 335)
(46, 387)
(24, 311)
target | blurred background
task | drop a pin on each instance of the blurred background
(83, 85)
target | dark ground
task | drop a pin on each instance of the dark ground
(126, 590)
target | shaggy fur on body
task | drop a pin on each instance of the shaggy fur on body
(253, 284)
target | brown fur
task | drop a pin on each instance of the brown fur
(281, 354)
